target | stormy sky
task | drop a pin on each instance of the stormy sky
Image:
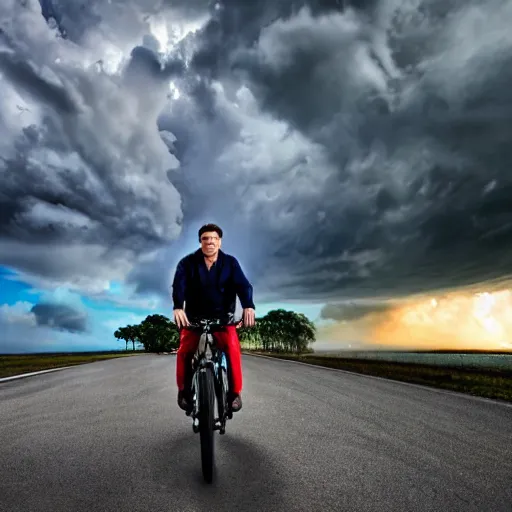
(351, 150)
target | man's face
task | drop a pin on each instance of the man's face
(210, 243)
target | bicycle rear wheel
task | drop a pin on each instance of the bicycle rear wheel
(207, 421)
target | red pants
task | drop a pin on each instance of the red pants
(226, 340)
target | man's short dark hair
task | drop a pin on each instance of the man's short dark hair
(207, 228)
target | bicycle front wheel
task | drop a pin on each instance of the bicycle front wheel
(207, 421)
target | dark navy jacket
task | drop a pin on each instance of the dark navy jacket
(210, 293)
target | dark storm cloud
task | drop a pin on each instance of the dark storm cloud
(144, 62)
(236, 24)
(411, 114)
(83, 167)
(347, 148)
(352, 311)
(76, 19)
(21, 74)
(60, 316)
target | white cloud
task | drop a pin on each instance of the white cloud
(17, 314)
(122, 320)
(83, 165)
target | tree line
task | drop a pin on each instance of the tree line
(156, 333)
(278, 331)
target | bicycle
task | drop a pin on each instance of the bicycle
(210, 384)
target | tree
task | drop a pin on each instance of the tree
(251, 336)
(133, 334)
(128, 333)
(156, 333)
(304, 332)
(280, 331)
(122, 334)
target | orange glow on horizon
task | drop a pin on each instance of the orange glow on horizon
(454, 321)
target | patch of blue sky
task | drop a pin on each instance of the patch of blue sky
(13, 289)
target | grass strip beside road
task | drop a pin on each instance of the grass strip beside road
(11, 365)
(486, 382)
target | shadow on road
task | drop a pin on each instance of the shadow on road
(246, 477)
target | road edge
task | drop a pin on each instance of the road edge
(31, 374)
(420, 386)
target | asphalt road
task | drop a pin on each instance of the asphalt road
(109, 436)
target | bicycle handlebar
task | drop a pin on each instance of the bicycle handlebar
(215, 323)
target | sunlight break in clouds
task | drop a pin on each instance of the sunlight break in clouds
(456, 320)
(477, 321)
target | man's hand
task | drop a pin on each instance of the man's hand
(180, 318)
(249, 320)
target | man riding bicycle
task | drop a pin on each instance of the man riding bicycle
(206, 284)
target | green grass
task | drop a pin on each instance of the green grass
(17, 364)
(487, 383)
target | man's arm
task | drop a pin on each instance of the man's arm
(178, 286)
(178, 295)
(244, 291)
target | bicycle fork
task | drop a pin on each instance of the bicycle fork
(204, 358)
